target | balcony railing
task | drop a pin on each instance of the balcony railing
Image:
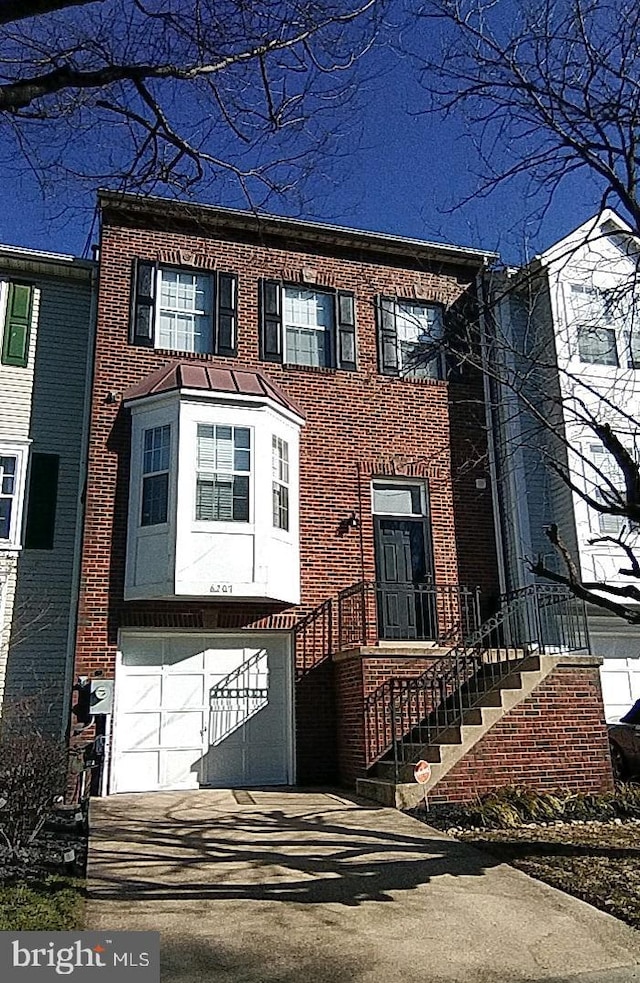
(372, 611)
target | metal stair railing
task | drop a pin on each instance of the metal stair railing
(404, 713)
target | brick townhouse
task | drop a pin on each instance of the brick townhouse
(288, 518)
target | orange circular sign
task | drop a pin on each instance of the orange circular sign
(422, 772)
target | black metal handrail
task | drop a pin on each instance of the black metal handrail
(313, 637)
(441, 613)
(403, 715)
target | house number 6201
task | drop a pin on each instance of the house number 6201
(221, 589)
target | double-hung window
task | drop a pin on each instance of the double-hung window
(8, 494)
(605, 478)
(184, 310)
(223, 473)
(410, 335)
(304, 325)
(155, 475)
(594, 316)
(280, 483)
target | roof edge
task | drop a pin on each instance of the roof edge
(224, 217)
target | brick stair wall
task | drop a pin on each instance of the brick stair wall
(556, 738)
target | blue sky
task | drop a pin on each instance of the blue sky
(398, 172)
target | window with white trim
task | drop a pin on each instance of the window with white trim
(595, 314)
(8, 494)
(605, 474)
(223, 473)
(184, 309)
(305, 325)
(280, 483)
(410, 337)
(308, 326)
(155, 475)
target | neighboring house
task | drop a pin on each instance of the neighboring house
(573, 309)
(45, 320)
(285, 512)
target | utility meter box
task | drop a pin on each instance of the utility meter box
(101, 700)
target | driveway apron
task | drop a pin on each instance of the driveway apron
(291, 886)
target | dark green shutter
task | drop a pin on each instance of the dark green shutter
(271, 320)
(387, 335)
(43, 497)
(17, 325)
(143, 303)
(346, 321)
(226, 334)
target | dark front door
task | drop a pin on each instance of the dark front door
(406, 602)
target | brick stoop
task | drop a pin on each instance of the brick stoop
(496, 707)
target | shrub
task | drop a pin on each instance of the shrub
(33, 769)
(513, 805)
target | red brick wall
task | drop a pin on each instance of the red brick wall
(357, 678)
(556, 738)
(357, 425)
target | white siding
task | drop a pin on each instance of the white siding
(38, 654)
(16, 384)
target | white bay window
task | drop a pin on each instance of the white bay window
(214, 493)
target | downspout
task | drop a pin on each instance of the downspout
(491, 447)
(79, 531)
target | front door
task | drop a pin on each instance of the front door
(404, 570)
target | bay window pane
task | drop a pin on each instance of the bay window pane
(155, 496)
(241, 498)
(222, 494)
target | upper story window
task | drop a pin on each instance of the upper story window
(16, 303)
(155, 475)
(224, 469)
(595, 314)
(184, 310)
(409, 338)
(13, 458)
(8, 491)
(280, 484)
(302, 325)
(597, 346)
(606, 479)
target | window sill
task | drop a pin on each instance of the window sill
(189, 356)
(8, 547)
(405, 379)
(315, 369)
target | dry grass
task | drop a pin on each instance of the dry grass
(598, 862)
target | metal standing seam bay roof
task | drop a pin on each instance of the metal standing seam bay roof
(210, 378)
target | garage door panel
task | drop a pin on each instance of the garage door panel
(181, 769)
(616, 687)
(141, 693)
(183, 691)
(147, 653)
(138, 731)
(261, 768)
(137, 772)
(182, 728)
(183, 655)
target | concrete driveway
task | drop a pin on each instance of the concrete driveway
(292, 886)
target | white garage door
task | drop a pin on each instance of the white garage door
(620, 686)
(197, 710)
